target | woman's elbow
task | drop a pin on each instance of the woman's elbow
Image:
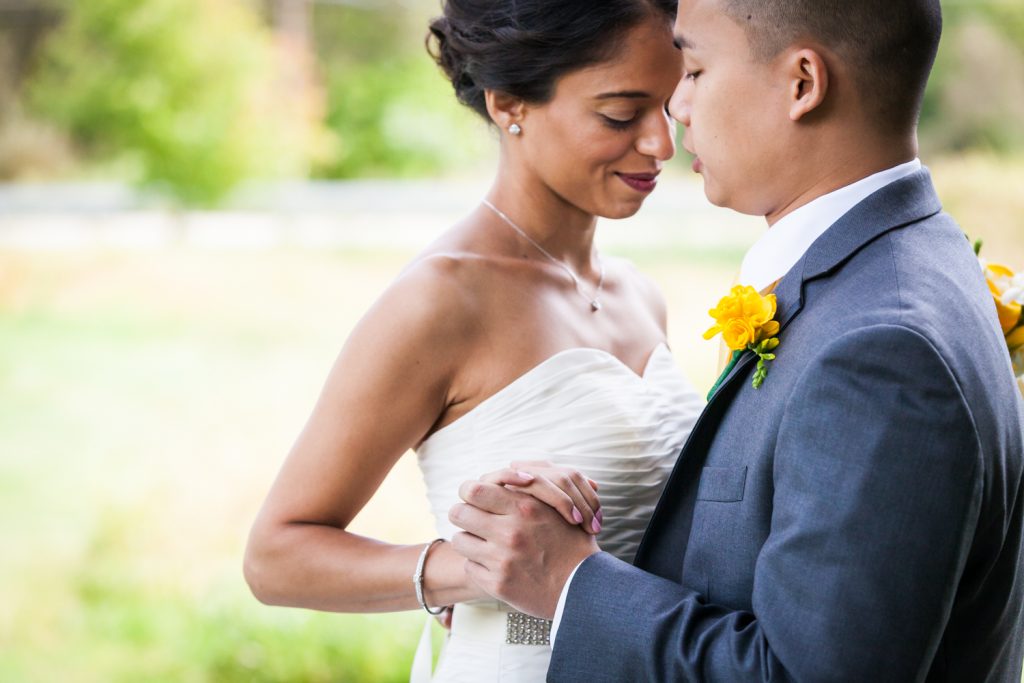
(260, 572)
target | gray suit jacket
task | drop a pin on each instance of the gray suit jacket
(858, 517)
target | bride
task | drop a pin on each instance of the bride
(510, 338)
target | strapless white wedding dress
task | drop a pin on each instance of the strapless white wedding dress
(581, 408)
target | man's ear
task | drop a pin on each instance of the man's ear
(504, 109)
(809, 81)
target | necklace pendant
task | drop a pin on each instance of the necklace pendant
(595, 306)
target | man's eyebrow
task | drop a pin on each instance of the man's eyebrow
(627, 94)
(682, 43)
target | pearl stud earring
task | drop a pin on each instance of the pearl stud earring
(515, 129)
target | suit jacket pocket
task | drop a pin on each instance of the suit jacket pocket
(722, 484)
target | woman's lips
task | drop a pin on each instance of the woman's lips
(641, 182)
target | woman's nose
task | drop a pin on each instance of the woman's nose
(659, 139)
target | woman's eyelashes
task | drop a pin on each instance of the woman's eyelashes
(618, 123)
(691, 75)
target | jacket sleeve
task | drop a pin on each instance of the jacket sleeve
(878, 487)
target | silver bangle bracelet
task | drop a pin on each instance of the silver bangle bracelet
(417, 578)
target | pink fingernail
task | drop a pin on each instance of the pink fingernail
(576, 515)
(525, 476)
(596, 526)
(600, 516)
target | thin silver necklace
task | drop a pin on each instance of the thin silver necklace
(594, 301)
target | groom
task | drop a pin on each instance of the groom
(858, 517)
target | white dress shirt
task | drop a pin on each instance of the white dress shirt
(778, 251)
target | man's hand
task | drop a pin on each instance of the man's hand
(517, 549)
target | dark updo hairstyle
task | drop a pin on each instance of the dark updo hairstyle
(522, 47)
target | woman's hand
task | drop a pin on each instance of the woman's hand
(445, 617)
(565, 489)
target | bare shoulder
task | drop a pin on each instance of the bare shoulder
(431, 305)
(403, 358)
(388, 386)
(642, 286)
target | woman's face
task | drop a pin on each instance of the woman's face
(601, 141)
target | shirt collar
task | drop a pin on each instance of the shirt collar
(785, 243)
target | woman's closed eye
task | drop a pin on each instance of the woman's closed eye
(618, 122)
(692, 75)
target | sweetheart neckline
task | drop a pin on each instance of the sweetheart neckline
(616, 361)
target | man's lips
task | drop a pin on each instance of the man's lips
(697, 165)
(641, 182)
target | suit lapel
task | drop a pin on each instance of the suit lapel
(675, 509)
(905, 201)
(674, 512)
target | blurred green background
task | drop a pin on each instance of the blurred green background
(198, 199)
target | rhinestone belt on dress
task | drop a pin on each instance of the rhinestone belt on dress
(522, 629)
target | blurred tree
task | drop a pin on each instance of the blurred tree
(184, 90)
(22, 24)
(297, 83)
(28, 148)
(393, 112)
(975, 99)
(195, 95)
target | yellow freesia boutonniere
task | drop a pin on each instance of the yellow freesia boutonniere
(746, 321)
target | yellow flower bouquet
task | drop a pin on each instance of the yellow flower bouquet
(1007, 289)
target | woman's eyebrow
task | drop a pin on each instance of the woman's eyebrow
(625, 94)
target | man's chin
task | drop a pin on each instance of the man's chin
(715, 194)
(726, 200)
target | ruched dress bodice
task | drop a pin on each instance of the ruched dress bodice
(582, 408)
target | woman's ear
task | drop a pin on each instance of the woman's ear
(506, 111)
(808, 82)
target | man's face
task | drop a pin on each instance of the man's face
(735, 111)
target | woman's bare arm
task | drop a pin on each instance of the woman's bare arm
(390, 383)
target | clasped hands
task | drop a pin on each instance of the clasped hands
(525, 529)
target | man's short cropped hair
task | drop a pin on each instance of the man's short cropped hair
(890, 45)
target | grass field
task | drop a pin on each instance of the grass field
(146, 401)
